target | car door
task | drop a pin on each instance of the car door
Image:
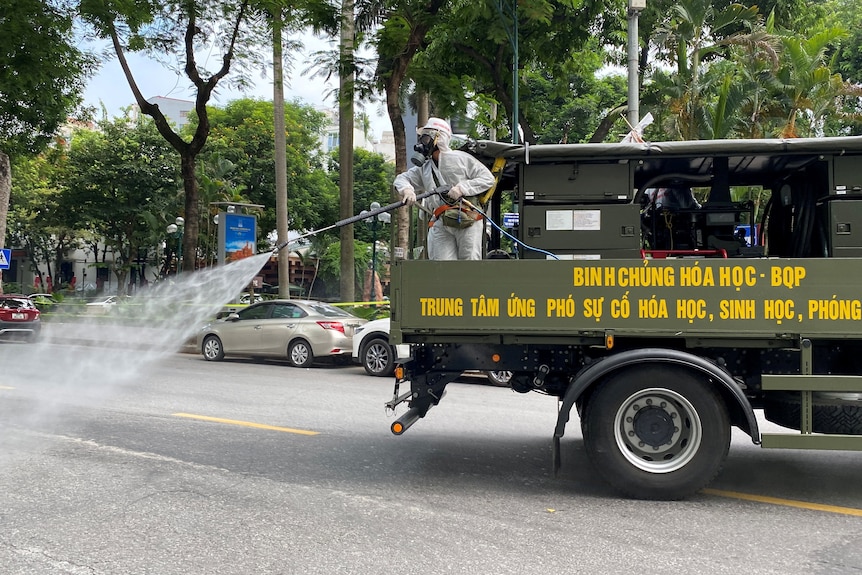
(243, 335)
(279, 328)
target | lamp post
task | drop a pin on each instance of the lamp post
(635, 8)
(176, 231)
(385, 218)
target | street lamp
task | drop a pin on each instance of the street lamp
(176, 231)
(635, 8)
(385, 218)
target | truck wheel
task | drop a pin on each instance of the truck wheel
(656, 432)
(378, 357)
(830, 413)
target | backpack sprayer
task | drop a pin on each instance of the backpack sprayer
(441, 190)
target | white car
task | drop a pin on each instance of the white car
(372, 349)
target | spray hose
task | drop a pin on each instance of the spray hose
(441, 190)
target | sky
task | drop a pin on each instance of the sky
(109, 87)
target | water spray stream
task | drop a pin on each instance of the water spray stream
(41, 382)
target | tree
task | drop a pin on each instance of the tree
(697, 32)
(172, 28)
(372, 178)
(810, 90)
(346, 92)
(472, 49)
(42, 75)
(398, 40)
(243, 131)
(122, 187)
(37, 221)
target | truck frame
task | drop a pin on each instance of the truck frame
(660, 324)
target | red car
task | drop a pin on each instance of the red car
(19, 318)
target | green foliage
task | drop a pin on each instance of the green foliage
(330, 267)
(569, 112)
(37, 219)
(372, 182)
(42, 73)
(242, 133)
(123, 187)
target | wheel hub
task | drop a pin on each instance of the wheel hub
(651, 425)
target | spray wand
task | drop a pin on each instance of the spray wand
(387, 208)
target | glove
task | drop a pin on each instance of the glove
(456, 193)
(408, 194)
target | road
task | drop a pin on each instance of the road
(115, 463)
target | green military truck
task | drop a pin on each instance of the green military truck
(663, 292)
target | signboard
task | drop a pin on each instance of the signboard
(510, 219)
(5, 259)
(237, 236)
(735, 298)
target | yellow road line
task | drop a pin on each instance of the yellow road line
(785, 502)
(6, 387)
(246, 424)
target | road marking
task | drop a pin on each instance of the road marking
(6, 387)
(785, 502)
(246, 424)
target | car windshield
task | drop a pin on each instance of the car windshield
(327, 310)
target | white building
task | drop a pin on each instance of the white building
(175, 110)
(330, 138)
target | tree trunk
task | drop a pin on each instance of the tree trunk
(281, 223)
(5, 194)
(402, 214)
(192, 212)
(345, 149)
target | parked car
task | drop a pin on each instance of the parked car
(19, 318)
(298, 330)
(104, 302)
(372, 349)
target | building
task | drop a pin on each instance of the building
(175, 110)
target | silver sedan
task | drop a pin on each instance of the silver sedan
(298, 330)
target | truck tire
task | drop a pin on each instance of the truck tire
(831, 412)
(656, 432)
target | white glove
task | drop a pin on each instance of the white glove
(456, 193)
(408, 194)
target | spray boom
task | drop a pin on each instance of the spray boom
(387, 208)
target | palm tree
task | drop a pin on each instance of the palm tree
(697, 32)
(809, 89)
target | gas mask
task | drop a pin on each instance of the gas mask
(423, 149)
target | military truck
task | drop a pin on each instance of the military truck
(663, 292)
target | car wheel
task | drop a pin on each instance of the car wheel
(212, 349)
(299, 353)
(499, 378)
(378, 357)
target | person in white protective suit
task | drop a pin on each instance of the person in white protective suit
(455, 232)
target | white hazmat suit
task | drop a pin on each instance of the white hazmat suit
(468, 177)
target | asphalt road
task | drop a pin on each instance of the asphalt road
(116, 463)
